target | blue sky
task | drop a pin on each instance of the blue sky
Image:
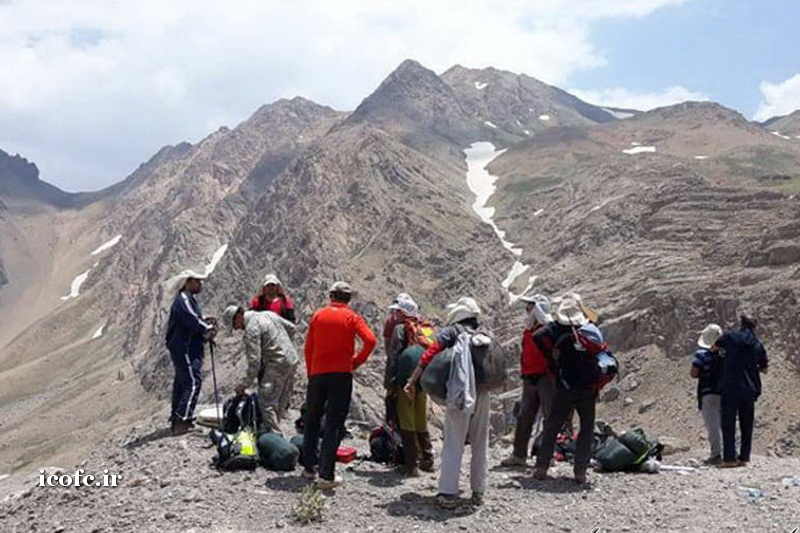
(89, 89)
(721, 48)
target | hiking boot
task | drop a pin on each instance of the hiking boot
(181, 427)
(425, 451)
(310, 475)
(513, 460)
(447, 501)
(477, 499)
(328, 484)
(407, 472)
(540, 473)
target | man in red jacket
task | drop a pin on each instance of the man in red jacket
(330, 362)
(537, 381)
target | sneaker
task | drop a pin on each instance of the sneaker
(513, 460)
(477, 499)
(311, 475)
(540, 474)
(447, 501)
(328, 484)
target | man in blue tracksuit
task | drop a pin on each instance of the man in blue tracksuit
(187, 330)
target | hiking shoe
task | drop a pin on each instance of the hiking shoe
(310, 475)
(513, 460)
(447, 501)
(729, 464)
(477, 499)
(328, 484)
(540, 474)
(181, 427)
(713, 460)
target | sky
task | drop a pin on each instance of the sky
(90, 89)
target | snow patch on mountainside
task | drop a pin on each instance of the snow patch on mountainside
(75, 287)
(105, 246)
(482, 184)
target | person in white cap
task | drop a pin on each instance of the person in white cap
(187, 330)
(537, 379)
(576, 376)
(390, 400)
(411, 331)
(467, 413)
(330, 363)
(707, 370)
(273, 297)
(271, 360)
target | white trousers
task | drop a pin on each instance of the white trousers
(712, 417)
(457, 427)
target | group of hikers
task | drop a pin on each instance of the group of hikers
(558, 378)
(727, 367)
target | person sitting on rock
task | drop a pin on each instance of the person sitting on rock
(273, 297)
(576, 376)
(744, 359)
(271, 360)
(412, 414)
(707, 370)
(537, 380)
(467, 413)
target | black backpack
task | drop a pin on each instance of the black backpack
(242, 412)
(385, 446)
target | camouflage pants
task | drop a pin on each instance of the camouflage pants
(275, 394)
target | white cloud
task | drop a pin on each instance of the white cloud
(779, 98)
(643, 101)
(90, 88)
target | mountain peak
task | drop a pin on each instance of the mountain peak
(19, 180)
(17, 167)
(413, 96)
(703, 111)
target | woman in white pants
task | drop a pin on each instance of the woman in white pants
(467, 413)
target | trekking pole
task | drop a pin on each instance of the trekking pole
(211, 345)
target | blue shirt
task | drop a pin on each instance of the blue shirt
(744, 358)
(710, 366)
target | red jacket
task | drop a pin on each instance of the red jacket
(280, 305)
(330, 341)
(532, 361)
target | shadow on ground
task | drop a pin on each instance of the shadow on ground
(415, 505)
(554, 485)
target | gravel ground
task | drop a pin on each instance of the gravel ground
(168, 484)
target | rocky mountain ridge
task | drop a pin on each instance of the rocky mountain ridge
(663, 220)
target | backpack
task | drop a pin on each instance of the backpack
(277, 453)
(589, 340)
(489, 360)
(419, 332)
(236, 451)
(242, 412)
(385, 446)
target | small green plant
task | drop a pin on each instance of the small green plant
(310, 507)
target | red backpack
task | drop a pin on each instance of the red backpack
(419, 331)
